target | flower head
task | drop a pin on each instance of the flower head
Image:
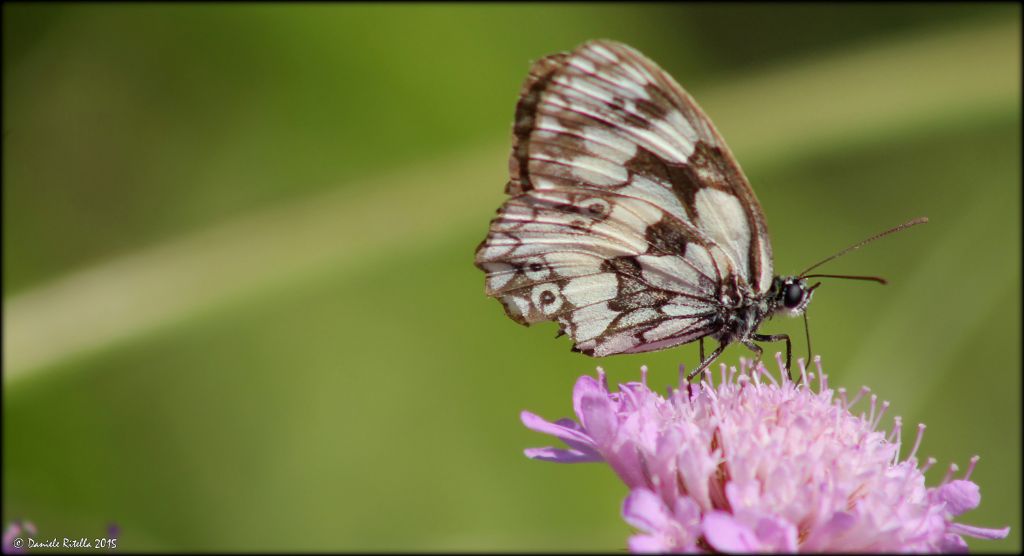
(13, 543)
(755, 464)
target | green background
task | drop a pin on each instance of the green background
(240, 310)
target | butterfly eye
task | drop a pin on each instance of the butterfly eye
(793, 296)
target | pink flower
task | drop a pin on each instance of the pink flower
(13, 541)
(755, 464)
(17, 533)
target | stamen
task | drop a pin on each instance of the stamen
(970, 467)
(803, 372)
(949, 473)
(821, 374)
(863, 390)
(711, 393)
(842, 396)
(878, 421)
(643, 374)
(928, 464)
(601, 378)
(768, 375)
(897, 422)
(897, 428)
(874, 400)
(917, 442)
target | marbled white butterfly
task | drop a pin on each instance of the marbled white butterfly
(628, 221)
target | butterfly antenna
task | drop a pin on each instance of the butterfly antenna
(878, 279)
(858, 245)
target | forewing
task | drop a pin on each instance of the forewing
(606, 117)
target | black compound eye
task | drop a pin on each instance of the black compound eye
(793, 296)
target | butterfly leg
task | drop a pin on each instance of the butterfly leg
(776, 338)
(702, 348)
(705, 363)
(756, 349)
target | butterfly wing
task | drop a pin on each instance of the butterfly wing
(627, 216)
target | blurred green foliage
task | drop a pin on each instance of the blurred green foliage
(373, 403)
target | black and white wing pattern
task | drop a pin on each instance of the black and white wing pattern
(628, 220)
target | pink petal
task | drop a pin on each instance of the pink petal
(648, 544)
(573, 442)
(568, 435)
(559, 455)
(830, 532)
(776, 535)
(953, 544)
(959, 496)
(599, 419)
(979, 532)
(13, 530)
(585, 385)
(725, 534)
(645, 511)
(687, 513)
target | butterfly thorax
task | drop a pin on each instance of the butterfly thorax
(742, 312)
(739, 320)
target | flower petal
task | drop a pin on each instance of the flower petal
(585, 385)
(645, 511)
(648, 544)
(953, 544)
(776, 535)
(828, 534)
(725, 534)
(571, 436)
(559, 455)
(959, 496)
(599, 419)
(586, 445)
(979, 532)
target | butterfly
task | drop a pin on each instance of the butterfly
(629, 222)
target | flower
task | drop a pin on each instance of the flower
(13, 543)
(755, 464)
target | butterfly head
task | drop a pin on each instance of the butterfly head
(791, 294)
